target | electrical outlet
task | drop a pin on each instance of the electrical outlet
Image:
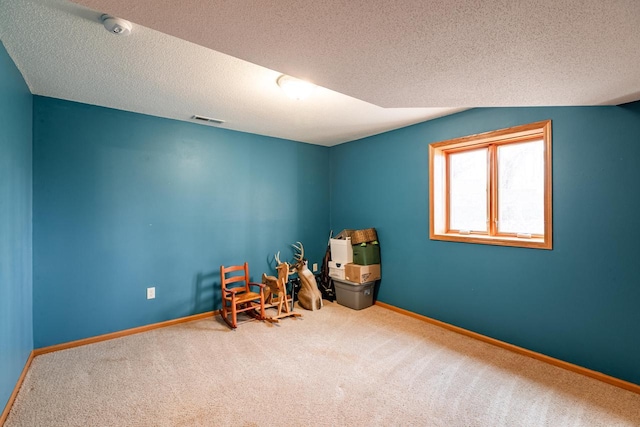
(315, 267)
(151, 293)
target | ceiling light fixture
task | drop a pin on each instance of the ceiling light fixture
(295, 88)
(116, 26)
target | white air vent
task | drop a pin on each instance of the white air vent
(208, 119)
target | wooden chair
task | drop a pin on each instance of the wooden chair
(239, 297)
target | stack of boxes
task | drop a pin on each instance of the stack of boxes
(355, 267)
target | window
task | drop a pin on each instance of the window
(493, 188)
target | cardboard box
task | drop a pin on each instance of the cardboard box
(341, 250)
(362, 273)
(336, 270)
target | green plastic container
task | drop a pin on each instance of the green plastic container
(366, 254)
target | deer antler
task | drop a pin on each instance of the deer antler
(277, 258)
(299, 256)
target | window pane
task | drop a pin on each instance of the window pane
(521, 188)
(468, 190)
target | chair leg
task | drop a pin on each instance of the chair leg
(263, 314)
(225, 315)
(234, 313)
(226, 320)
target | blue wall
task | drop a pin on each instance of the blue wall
(125, 201)
(578, 302)
(16, 327)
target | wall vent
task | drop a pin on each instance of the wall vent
(207, 119)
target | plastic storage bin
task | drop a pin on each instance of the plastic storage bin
(367, 254)
(341, 251)
(336, 270)
(354, 295)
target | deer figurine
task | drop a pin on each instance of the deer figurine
(309, 296)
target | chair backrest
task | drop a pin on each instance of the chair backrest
(228, 280)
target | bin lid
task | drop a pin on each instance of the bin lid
(347, 282)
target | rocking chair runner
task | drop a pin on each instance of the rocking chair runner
(240, 298)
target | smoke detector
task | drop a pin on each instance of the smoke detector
(116, 26)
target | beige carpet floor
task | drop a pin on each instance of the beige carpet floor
(333, 367)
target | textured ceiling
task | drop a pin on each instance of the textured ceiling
(421, 59)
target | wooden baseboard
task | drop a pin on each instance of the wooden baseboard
(123, 333)
(520, 350)
(7, 408)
